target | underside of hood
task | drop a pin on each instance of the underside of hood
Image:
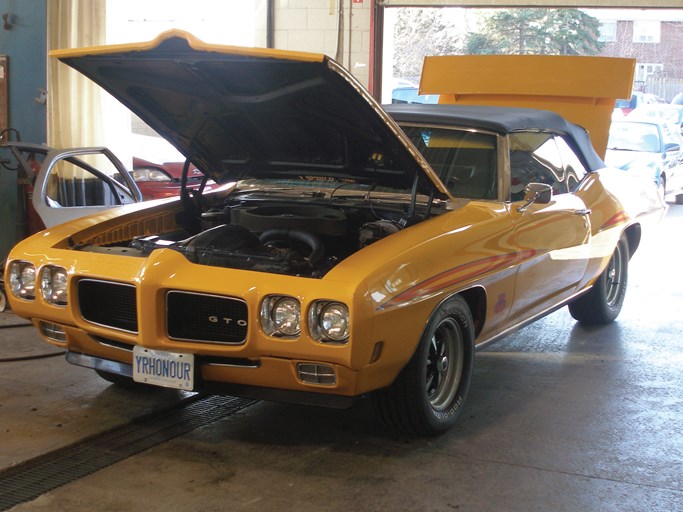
(254, 113)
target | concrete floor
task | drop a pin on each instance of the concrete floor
(560, 418)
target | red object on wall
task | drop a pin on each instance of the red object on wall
(357, 1)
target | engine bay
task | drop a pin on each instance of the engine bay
(290, 239)
(290, 236)
(281, 226)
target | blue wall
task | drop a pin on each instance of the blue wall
(25, 44)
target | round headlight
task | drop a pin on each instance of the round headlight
(329, 321)
(53, 285)
(22, 279)
(286, 316)
(334, 321)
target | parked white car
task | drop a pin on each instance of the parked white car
(650, 148)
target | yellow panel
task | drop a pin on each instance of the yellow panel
(581, 89)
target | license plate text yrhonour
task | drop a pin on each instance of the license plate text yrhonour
(161, 368)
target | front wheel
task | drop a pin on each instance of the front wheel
(429, 393)
(602, 304)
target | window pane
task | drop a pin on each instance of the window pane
(646, 31)
(465, 161)
(534, 158)
(573, 167)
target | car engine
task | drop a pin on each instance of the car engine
(292, 239)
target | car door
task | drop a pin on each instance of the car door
(555, 236)
(77, 182)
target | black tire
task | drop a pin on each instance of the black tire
(602, 304)
(428, 395)
(679, 199)
(119, 380)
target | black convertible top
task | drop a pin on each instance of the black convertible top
(501, 120)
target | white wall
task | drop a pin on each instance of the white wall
(316, 26)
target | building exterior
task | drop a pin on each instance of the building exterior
(654, 38)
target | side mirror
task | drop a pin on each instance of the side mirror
(540, 193)
(672, 146)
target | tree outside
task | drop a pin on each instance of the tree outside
(430, 31)
(536, 32)
(419, 32)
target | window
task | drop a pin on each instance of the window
(645, 70)
(535, 158)
(573, 167)
(646, 31)
(465, 161)
(89, 180)
(671, 135)
(608, 31)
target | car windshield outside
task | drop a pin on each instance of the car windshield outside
(633, 136)
(667, 113)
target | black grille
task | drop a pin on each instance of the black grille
(205, 318)
(108, 304)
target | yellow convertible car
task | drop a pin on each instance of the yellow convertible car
(351, 251)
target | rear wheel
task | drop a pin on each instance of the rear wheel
(602, 304)
(429, 393)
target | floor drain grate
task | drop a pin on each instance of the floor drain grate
(30, 479)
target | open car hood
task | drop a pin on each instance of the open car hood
(241, 113)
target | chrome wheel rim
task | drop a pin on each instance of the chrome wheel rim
(614, 276)
(444, 365)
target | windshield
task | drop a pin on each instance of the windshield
(628, 136)
(464, 160)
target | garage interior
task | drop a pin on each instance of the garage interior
(560, 417)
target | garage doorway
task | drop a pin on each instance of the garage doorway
(407, 34)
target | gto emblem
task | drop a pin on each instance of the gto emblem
(227, 321)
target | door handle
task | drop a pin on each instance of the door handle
(584, 211)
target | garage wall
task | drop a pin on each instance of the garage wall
(23, 40)
(340, 29)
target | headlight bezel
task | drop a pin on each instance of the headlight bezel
(281, 316)
(22, 279)
(323, 325)
(51, 277)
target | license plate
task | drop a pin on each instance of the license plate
(161, 368)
